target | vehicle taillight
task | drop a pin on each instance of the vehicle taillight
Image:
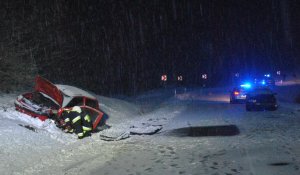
(236, 93)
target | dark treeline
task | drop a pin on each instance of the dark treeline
(124, 46)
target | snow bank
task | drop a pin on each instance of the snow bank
(27, 142)
(288, 93)
(118, 110)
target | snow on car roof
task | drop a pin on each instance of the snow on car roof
(73, 91)
(70, 91)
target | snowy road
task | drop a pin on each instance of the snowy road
(211, 136)
(202, 134)
(238, 142)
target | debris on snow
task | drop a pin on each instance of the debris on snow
(145, 129)
(114, 136)
(29, 127)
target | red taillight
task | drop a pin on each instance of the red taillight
(236, 93)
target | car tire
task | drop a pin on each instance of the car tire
(273, 109)
(248, 108)
(232, 101)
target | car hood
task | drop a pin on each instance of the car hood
(47, 88)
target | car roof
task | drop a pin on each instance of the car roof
(70, 92)
(257, 91)
(240, 89)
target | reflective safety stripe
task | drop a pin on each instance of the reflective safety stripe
(87, 118)
(86, 128)
(76, 119)
(67, 120)
(80, 134)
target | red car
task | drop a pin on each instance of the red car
(48, 101)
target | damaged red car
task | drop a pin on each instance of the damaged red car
(48, 100)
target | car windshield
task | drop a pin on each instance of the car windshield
(91, 103)
(77, 101)
(261, 91)
(44, 100)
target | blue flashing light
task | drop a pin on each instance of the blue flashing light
(263, 82)
(246, 85)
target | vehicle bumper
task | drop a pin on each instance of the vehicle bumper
(262, 106)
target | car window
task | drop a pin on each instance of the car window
(91, 103)
(77, 101)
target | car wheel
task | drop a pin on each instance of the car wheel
(248, 108)
(273, 108)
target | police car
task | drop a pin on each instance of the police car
(239, 94)
(261, 98)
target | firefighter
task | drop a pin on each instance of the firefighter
(87, 125)
(77, 121)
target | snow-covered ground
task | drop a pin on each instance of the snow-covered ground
(201, 133)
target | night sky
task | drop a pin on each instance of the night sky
(124, 46)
